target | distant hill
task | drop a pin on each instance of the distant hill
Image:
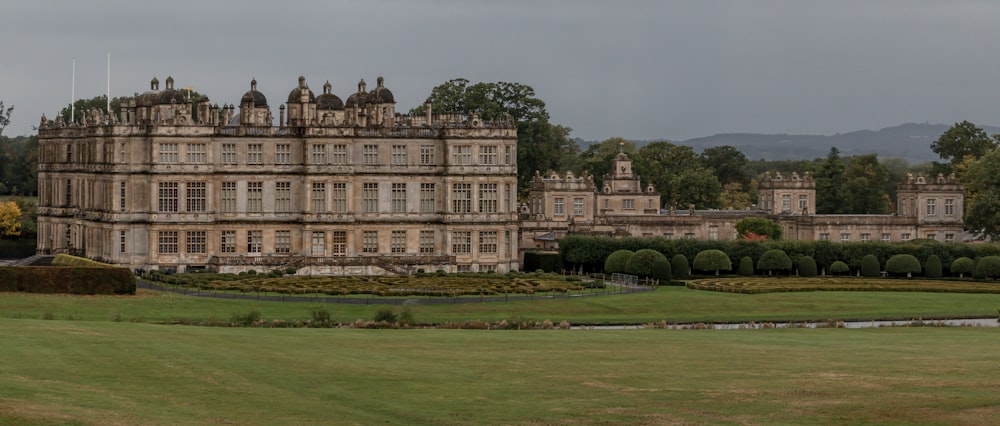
(910, 141)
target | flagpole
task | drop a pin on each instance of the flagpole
(72, 96)
(109, 83)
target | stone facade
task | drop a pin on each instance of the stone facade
(334, 188)
(930, 209)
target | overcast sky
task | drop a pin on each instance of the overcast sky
(636, 69)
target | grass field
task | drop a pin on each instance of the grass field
(671, 304)
(106, 373)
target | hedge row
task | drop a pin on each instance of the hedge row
(590, 251)
(547, 262)
(766, 285)
(76, 280)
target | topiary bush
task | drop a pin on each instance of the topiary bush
(615, 263)
(641, 263)
(870, 266)
(680, 267)
(807, 266)
(774, 260)
(962, 266)
(662, 271)
(746, 267)
(839, 268)
(712, 261)
(933, 268)
(903, 264)
(988, 267)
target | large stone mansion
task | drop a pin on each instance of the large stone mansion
(336, 187)
(353, 187)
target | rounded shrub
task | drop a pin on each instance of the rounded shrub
(839, 268)
(661, 270)
(962, 266)
(933, 268)
(615, 263)
(680, 267)
(641, 263)
(988, 267)
(807, 266)
(746, 267)
(870, 266)
(712, 261)
(774, 260)
(903, 264)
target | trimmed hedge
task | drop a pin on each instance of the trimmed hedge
(548, 262)
(870, 266)
(588, 252)
(75, 280)
(680, 267)
(746, 267)
(773, 260)
(641, 263)
(988, 267)
(903, 264)
(933, 268)
(661, 271)
(615, 263)
(712, 261)
(962, 266)
(807, 266)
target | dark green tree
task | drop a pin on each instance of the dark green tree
(962, 266)
(680, 267)
(774, 260)
(903, 264)
(830, 188)
(988, 267)
(982, 195)
(807, 266)
(865, 179)
(712, 261)
(962, 140)
(596, 159)
(753, 228)
(615, 263)
(839, 268)
(641, 263)
(677, 175)
(746, 267)
(870, 266)
(661, 271)
(4, 117)
(932, 267)
(541, 145)
(727, 163)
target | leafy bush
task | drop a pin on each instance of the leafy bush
(903, 264)
(615, 263)
(933, 268)
(72, 280)
(870, 266)
(753, 227)
(385, 314)
(746, 267)
(988, 267)
(838, 268)
(661, 270)
(712, 261)
(641, 263)
(248, 319)
(680, 267)
(807, 266)
(962, 266)
(321, 317)
(774, 260)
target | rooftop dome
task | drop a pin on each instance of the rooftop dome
(358, 98)
(170, 96)
(295, 95)
(258, 99)
(328, 100)
(381, 94)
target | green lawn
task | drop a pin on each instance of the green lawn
(671, 304)
(80, 372)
